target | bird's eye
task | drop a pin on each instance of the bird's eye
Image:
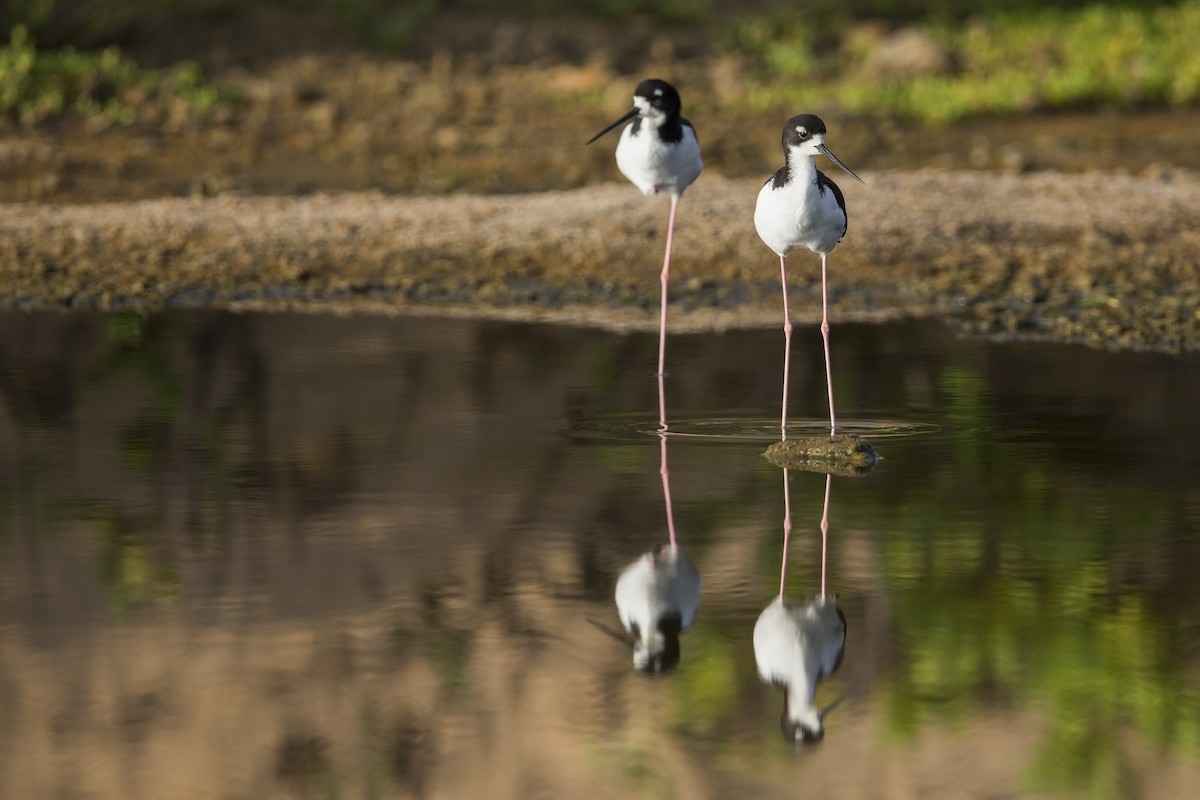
(803, 133)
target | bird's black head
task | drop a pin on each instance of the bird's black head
(801, 726)
(801, 733)
(802, 129)
(653, 95)
(660, 652)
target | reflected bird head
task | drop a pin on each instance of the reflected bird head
(806, 727)
(658, 652)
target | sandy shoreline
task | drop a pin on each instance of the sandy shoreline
(1107, 260)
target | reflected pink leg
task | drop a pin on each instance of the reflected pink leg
(663, 279)
(787, 344)
(825, 532)
(787, 531)
(825, 338)
(662, 469)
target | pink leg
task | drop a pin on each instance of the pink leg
(663, 278)
(825, 532)
(662, 405)
(787, 532)
(787, 343)
(662, 469)
(825, 337)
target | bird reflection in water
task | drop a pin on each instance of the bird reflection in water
(797, 645)
(657, 595)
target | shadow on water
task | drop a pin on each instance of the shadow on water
(301, 556)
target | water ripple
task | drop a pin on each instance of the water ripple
(734, 428)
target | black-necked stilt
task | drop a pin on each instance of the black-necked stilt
(801, 208)
(798, 644)
(658, 152)
(657, 597)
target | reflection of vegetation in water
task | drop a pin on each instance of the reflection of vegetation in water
(5, 513)
(705, 689)
(144, 442)
(133, 571)
(144, 345)
(1017, 580)
(637, 765)
(166, 436)
(1045, 602)
(449, 653)
(446, 648)
(303, 763)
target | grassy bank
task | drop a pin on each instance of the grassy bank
(103, 87)
(936, 62)
(1001, 63)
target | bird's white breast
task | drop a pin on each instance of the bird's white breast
(656, 166)
(798, 216)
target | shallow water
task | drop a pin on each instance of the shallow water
(309, 556)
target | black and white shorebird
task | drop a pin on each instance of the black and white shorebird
(800, 208)
(796, 645)
(659, 153)
(657, 597)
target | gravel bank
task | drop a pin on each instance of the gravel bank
(1106, 260)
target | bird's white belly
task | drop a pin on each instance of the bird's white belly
(651, 587)
(655, 166)
(798, 217)
(798, 644)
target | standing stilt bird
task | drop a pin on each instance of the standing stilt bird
(801, 208)
(658, 152)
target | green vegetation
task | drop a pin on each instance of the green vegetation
(385, 23)
(990, 57)
(38, 84)
(1008, 62)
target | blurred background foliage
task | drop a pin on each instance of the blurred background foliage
(935, 61)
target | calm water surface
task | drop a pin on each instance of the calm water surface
(249, 556)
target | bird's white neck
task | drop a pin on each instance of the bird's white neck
(801, 689)
(800, 707)
(802, 167)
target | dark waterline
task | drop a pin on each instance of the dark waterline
(311, 556)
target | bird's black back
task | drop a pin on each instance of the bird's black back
(823, 183)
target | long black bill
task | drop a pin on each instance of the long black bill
(825, 151)
(624, 638)
(633, 112)
(838, 701)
